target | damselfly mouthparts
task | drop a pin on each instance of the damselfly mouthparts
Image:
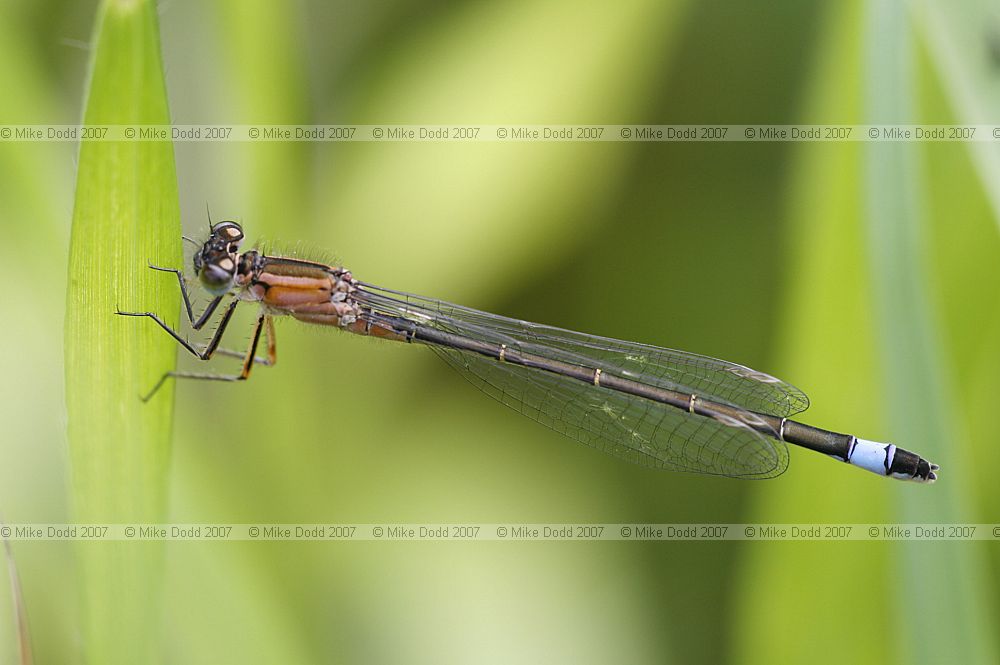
(651, 406)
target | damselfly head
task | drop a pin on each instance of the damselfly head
(217, 260)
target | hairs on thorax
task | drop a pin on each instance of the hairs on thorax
(298, 250)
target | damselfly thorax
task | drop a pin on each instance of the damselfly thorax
(649, 405)
(307, 291)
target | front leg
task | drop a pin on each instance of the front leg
(210, 348)
(209, 310)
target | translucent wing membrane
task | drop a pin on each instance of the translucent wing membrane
(633, 428)
(719, 380)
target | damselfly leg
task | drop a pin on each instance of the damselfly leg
(209, 310)
(249, 357)
(264, 322)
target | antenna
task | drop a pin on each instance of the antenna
(209, 213)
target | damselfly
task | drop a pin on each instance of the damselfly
(651, 406)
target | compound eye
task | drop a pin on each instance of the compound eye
(218, 276)
(230, 232)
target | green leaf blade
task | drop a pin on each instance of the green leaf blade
(126, 213)
(918, 396)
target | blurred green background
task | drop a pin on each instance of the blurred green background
(866, 274)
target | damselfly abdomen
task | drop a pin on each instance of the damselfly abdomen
(651, 406)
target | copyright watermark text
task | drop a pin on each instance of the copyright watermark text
(581, 532)
(466, 133)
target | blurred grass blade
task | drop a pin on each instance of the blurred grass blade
(497, 62)
(20, 614)
(827, 284)
(920, 412)
(964, 41)
(125, 214)
(268, 85)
